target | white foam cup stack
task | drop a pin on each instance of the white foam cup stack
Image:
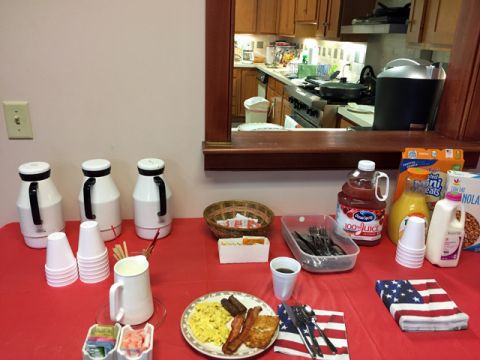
(411, 247)
(92, 254)
(59, 252)
(60, 265)
(414, 235)
(90, 242)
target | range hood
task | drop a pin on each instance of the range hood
(374, 29)
(383, 20)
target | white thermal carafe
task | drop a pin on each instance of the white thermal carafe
(151, 197)
(39, 204)
(100, 199)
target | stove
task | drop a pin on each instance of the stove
(310, 110)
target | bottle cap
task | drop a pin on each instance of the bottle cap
(417, 173)
(366, 165)
(454, 196)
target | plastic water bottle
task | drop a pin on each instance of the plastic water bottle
(446, 232)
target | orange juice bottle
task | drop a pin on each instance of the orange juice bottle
(412, 202)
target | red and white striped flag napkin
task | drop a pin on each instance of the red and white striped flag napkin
(420, 305)
(333, 324)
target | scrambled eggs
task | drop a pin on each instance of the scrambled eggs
(208, 322)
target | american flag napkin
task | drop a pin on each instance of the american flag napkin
(420, 305)
(333, 324)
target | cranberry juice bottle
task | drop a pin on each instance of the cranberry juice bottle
(360, 208)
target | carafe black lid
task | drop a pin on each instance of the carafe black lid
(151, 167)
(34, 171)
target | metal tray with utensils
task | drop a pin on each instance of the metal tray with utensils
(318, 244)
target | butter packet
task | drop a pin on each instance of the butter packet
(437, 162)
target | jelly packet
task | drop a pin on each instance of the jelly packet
(135, 342)
(240, 222)
(101, 340)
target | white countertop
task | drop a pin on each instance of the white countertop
(360, 119)
(273, 72)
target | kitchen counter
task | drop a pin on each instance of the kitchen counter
(360, 119)
(276, 73)
(43, 322)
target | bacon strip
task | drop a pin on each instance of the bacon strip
(233, 344)
(237, 323)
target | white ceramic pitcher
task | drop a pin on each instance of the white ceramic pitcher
(152, 200)
(131, 300)
(99, 198)
(39, 204)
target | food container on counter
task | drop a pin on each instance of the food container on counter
(112, 354)
(246, 249)
(320, 264)
(145, 355)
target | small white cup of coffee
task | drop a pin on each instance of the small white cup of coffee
(285, 271)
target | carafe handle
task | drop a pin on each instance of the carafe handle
(387, 186)
(87, 199)
(162, 195)
(32, 194)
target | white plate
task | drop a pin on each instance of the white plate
(362, 109)
(213, 350)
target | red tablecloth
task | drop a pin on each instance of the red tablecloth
(41, 322)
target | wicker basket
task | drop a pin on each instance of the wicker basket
(224, 210)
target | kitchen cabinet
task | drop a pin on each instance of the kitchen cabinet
(432, 23)
(245, 16)
(236, 90)
(306, 11)
(267, 16)
(286, 18)
(286, 106)
(244, 86)
(332, 14)
(275, 95)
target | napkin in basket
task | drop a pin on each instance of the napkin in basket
(420, 305)
(332, 322)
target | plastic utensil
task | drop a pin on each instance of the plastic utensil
(311, 314)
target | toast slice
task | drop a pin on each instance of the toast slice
(262, 331)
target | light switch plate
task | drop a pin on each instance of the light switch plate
(17, 119)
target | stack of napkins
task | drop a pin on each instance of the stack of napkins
(331, 322)
(420, 305)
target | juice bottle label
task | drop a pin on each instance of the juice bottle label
(451, 246)
(360, 224)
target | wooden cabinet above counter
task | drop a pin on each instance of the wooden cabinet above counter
(432, 23)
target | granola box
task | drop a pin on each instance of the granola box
(437, 162)
(469, 186)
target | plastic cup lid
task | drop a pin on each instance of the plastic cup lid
(366, 165)
(33, 168)
(96, 165)
(454, 196)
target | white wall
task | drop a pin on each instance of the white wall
(124, 80)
